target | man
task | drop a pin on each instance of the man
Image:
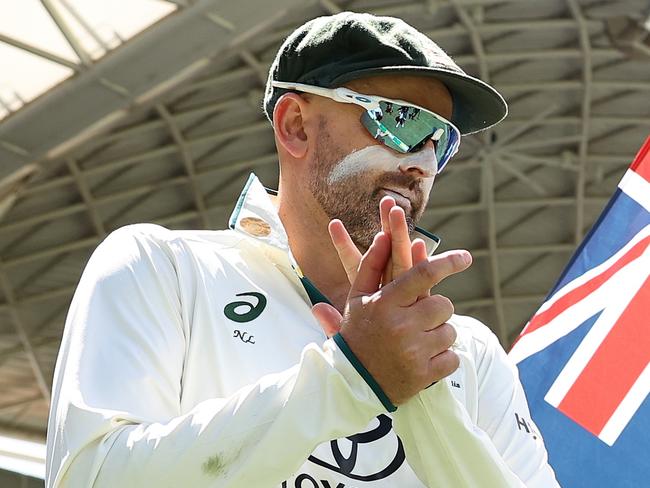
(199, 359)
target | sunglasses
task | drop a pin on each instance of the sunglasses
(400, 125)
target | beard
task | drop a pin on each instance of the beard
(354, 198)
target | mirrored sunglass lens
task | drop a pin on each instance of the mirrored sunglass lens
(407, 128)
(409, 123)
(413, 125)
(381, 133)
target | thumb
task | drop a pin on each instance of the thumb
(328, 317)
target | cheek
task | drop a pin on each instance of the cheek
(371, 158)
(427, 184)
(347, 130)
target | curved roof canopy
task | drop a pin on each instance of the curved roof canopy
(165, 128)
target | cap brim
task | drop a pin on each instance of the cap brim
(477, 105)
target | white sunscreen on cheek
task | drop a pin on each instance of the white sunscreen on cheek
(377, 159)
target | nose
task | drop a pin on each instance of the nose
(421, 164)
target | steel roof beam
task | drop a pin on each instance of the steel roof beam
(146, 66)
(462, 59)
(7, 353)
(566, 163)
(66, 291)
(519, 122)
(180, 180)
(85, 25)
(568, 119)
(23, 337)
(260, 69)
(587, 76)
(245, 130)
(177, 117)
(131, 192)
(487, 173)
(558, 85)
(178, 3)
(330, 7)
(4, 407)
(520, 175)
(67, 32)
(76, 245)
(41, 53)
(84, 191)
(487, 195)
(435, 211)
(511, 299)
(544, 55)
(188, 163)
(402, 9)
(511, 26)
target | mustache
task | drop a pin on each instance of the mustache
(400, 180)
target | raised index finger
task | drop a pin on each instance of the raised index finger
(371, 268)
(400, 241)
(348, 253)
(418, 280)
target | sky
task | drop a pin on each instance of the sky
(24, 76)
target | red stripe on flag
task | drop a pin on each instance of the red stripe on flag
(641, 164)
(574, 296)
(616, 365)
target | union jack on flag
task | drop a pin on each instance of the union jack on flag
(584, 357)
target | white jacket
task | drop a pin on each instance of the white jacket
(192, 359)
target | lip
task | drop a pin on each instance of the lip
(401, 196)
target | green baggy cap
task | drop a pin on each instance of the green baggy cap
(330, 51)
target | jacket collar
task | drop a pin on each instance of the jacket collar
(256, 216)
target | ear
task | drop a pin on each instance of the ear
(288, 122)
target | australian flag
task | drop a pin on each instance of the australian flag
(584, 357)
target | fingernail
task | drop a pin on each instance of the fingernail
(467, 257)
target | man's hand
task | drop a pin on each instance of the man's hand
(402, 340)
(404, 254)
(397, 331)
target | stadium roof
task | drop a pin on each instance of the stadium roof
(47, 42)
(165, 128)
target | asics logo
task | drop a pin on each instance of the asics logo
(245, 311)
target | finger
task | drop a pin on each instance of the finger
(371, 267)
(438, 340)
(426, 274)
(385, 205)
(443, 365)
(419, 254)
(328, 317)
(435, 310)
(348, 253)
(418, 251)
(400, 241)
(387, 276)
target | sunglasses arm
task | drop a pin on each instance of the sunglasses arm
(341, 94)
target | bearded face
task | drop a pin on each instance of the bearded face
(350, 186)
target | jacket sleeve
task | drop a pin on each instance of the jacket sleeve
(116, 419)
(500, 447)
